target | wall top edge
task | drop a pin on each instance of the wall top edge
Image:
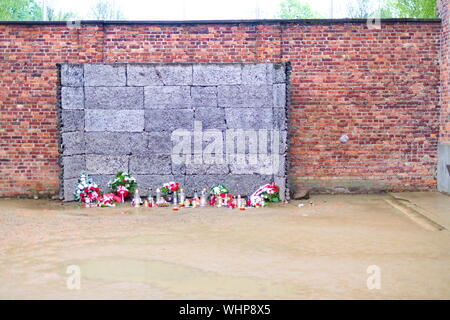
(203, 22)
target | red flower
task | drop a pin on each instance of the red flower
(86, 190)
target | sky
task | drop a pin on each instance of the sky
(197, 9)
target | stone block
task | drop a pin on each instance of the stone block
(282, 185)
(245, 96)
(204, 97)
(113, 143)
(159, 75)
(119, 120)
(217, 74)
(71, 75)
(249, 118)
(102, 180)
(69, 188)
(279, 96)
(153, 164)
(73, 166)
(178, 97)
(199, 182)
(254, 74)
(156, 181)
(114, 98)
(242, 184)
(198, 169)
(168, 120)
(263, 164)
(72, 97)
(107, 75)
(277, 72)
(72, 120)
(73, 143)
(149, 143)
(211, 118)
(159, 142)
(279, 118)
(247, 184)
(443, 174)
(175, 74)
(143, 75)
(106, 164)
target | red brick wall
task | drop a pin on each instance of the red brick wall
(381, 87)
(444, 12)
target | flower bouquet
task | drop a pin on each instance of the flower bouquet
(268, 193)
(108, 200)
(168, 189)
(217, 191)
(86, 190)
(122, 185)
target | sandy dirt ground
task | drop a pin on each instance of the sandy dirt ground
(319, 251)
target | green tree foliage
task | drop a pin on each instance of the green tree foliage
(392, 9)
(294, 9)
(20, 10)
(421, 9)
(29, 10)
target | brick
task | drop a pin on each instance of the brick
(106, 164)
(119, 120)
(72, 98)
(114, 98)
(72, 75)
(104, 75)
(210, 75)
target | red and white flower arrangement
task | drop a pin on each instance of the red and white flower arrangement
(122, 185)
(268, 192)
(108, 200)
(170, 187)
(86, 190)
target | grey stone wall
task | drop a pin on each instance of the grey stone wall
(443, 168)
(122, 117)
